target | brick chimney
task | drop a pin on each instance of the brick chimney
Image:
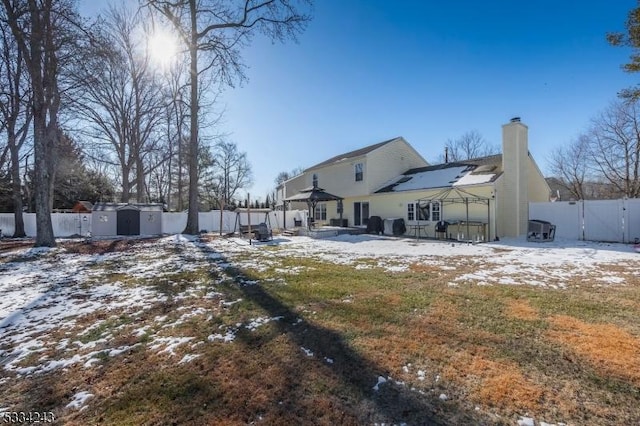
(514, 196)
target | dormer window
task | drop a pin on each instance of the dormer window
(359, 169)
(315, 180)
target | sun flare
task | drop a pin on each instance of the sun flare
(163, 47)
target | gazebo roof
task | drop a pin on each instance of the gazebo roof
(313, 195)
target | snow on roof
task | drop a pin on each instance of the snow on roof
(474, 179)
(440, 176)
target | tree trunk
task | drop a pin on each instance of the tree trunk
(42, 71)
(192, 216)
(140, 180)
(43, 180)
(125, 185)
(16, 190)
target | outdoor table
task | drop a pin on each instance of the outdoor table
(416, 228)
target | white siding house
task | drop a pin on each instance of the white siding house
(354, 176)
(391, 180)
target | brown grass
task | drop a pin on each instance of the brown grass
(521, 309)
(504, 349)
(610, 349)
(497, 383)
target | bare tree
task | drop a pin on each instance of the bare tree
(16, 112)
(614, 146)
(470, 145)
(41, 32)
(216, 31)
(233, 170)
(286, 175)
(570, 166)
(604, 162)
(176, 128)
(119, 96)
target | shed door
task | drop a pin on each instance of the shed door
(128, 222)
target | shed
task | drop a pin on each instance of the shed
(82, 207)
(109, 219)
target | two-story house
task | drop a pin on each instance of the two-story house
(354, 176)
(391, 180)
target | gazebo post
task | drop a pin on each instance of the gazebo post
(488, 220)
(466, 203)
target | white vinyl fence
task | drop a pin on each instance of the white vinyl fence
(64, 224)
(68, 224)
(174, 223)
(592, 220)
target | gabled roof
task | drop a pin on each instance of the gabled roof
(353, 154)
(447, 175)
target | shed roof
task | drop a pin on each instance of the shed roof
(82, 206)
(125, 206)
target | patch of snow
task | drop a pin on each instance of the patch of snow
(474, 179)
(611, 279)
(188, 358)
(141, 331)
(169, 343)
(438, 178)
(79, 400)
(230, 336)
(258, 322)
(526, 421)
(121, 350)
(381, 380)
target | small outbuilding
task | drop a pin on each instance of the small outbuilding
(82, 207)
(110, 219)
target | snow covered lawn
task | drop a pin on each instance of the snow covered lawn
(348, 329)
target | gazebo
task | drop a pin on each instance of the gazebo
(460, 196)
(312, 196)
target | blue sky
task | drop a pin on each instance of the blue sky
(369, 70)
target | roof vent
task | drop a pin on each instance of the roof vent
(515, 120)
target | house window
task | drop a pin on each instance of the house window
(359, 172)
(435, 211)
(321, 212)
(427, 211)
(315, 180)
(423, 211)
